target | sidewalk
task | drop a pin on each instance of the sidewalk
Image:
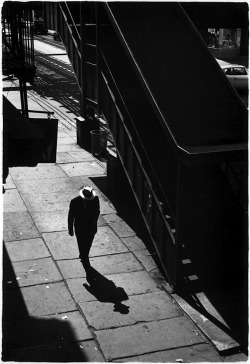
(61, 314)
(51, 313)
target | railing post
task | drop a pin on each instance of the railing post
(82, 65)
(98, 76)
(179, 238)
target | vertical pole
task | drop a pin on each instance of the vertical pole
(23, 97)
(179, 236)
(98, 72)
(82, 65)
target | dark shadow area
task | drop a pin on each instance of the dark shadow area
(220, 263)
(218, 268)
(33, 339)
(127, 209)
(105, 290)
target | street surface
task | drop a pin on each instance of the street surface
(50, 312)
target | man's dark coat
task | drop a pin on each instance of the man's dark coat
(83, 215)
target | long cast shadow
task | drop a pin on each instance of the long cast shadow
(105, 290)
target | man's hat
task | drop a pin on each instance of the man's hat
(87, 193)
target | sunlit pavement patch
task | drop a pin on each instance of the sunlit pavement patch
(83, 169)
(37, 271)
(154, 336)
(18, 226)
(26, 249)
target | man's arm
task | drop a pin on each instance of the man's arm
(97, 208)
(70, 220)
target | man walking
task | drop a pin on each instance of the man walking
(83, 214)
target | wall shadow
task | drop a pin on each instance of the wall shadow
(33, 339)
(127, 209)
(221, 270)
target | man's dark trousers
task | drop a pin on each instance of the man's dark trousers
(83, 216)
(84, 241)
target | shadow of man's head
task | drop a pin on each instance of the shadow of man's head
(105, 290)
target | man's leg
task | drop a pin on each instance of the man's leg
(84, 244)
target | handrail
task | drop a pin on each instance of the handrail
(143, 154)
(185, 151)
(72, 29)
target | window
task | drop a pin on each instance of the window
(240, 71)
(228, 71)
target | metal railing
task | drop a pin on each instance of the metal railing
(71, 38)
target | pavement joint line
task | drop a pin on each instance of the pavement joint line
(162, 351)
(39, 284)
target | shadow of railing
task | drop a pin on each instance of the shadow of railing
(216, 283)
(56, 81)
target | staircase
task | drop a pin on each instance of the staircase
(173, 116)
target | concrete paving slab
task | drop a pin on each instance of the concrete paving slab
(12, 201)
(64, 157)
(82, 156)
(71, 268)
(119, 226)
(147, 337)
(87, 351)
(80, 181)
(133, 243)
(39, 271)
(83, 169)
(62, 126)
(61, 245)
(49, 221)
(48, 201)
(65, 140)
(40, 173)
(234, 358)
(192, 354)
(116, 263)
(69, 148)
(62, 134)
(26, 250)
(105, 206)
(45, 164)
(106, 242)
(47, 299)
(18, 226)
(134, 283)
(146, 259)
(145, 307)
(72, 133)
(51, 185)
(13, 95)
(78, 291)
